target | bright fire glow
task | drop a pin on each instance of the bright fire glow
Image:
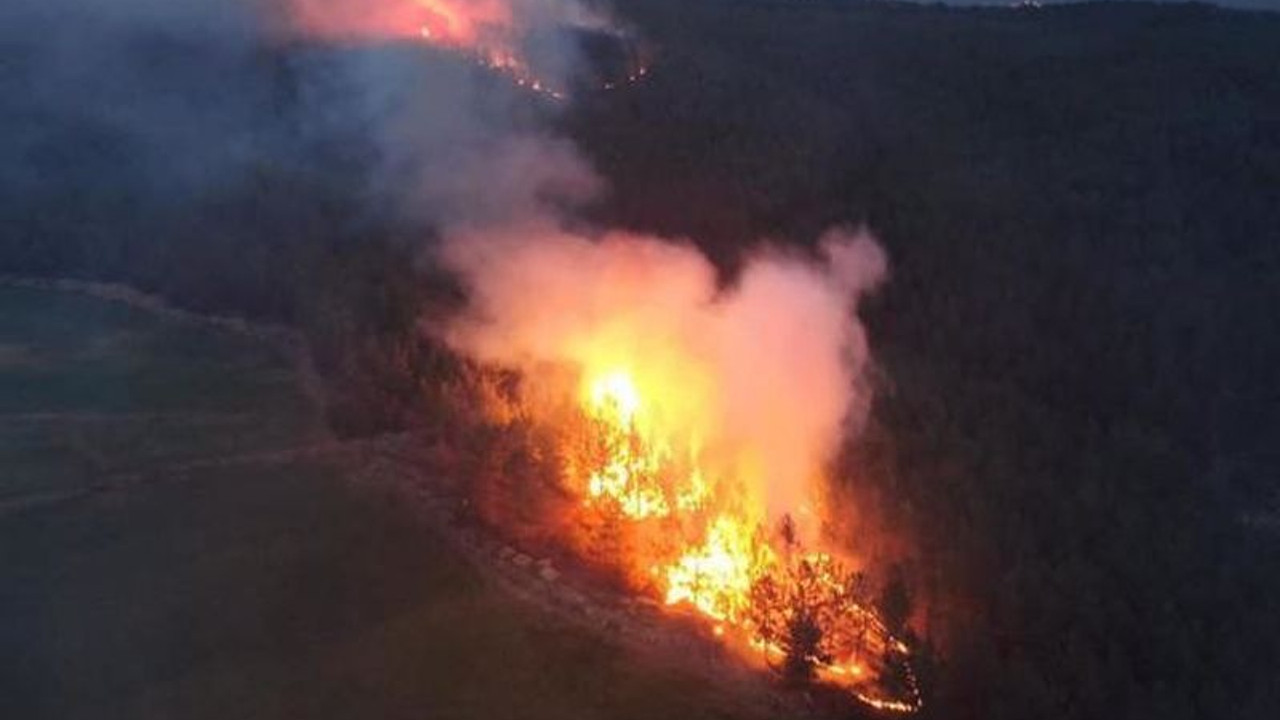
(619, 472)
(717, 576)
(453, 23)
(723, 564)
(487, 32)
(491, 33)
(693, 423)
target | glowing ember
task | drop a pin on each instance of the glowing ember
(485, 31)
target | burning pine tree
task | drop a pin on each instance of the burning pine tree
(696, 543)
(694, 424)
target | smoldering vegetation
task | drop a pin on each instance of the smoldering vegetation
(1076, 417)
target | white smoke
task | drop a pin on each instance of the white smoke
(771, 368)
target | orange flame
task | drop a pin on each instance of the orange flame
(693, 422)
(487, 31)
(722, 556)
(451, 23)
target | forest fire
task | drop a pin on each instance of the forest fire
(475, 24)
(515, 41)
(486, 31)
(692, 425)
(708, 549)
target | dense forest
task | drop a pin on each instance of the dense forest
(1081, 330)
(1077, 429)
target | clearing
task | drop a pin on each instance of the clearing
(167, 551)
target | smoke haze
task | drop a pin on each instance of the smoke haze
(768, 372)
(152, 106)
(775, 361)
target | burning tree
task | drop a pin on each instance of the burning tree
(647, 509)
(803, 648)
(687, 416)
(809, 613)
(650, 509)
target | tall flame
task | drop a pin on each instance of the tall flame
(722, 563)
(492, 33)
(698, 422)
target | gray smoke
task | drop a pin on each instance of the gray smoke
(119, 112)
(139, 95)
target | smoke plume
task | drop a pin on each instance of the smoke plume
(166, 100)
(767, 372)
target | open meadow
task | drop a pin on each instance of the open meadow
(162, 555)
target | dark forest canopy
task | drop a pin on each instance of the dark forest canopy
(1079, 418)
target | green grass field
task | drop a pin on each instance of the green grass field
(254, 590)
